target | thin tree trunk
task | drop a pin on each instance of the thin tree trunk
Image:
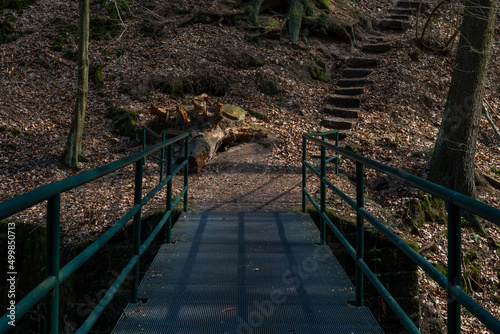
(453, 159)
(73, 148)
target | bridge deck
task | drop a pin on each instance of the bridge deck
(246, 272)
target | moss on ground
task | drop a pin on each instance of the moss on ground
(7, 32)
(269, 87)
(103, 28)
(257, 115)
(15, 4)
(124, 123)
(95, 75)
(319, 71)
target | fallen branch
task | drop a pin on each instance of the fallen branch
(494, 182)
(487, 114)
(425, 248)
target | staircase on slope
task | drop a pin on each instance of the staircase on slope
(343, 107)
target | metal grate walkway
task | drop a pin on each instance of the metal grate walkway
(246, 272)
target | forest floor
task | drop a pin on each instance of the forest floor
(140, 63)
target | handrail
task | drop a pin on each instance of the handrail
(55, 275)
(456, 203)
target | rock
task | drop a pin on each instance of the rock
(269, 87)
(319, 73)
(354, 148)
(233, 112)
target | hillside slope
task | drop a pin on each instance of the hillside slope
(144, 56)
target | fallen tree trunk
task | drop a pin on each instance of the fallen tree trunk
(204, 145)
(208, 130)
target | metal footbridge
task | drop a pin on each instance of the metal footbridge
(242, 272)
(246, 272)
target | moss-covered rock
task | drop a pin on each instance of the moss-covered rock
(95, 75)
(233, 112)
(424, 209)
(269, 87)
(124, 123)
(319, 72)
(257, 114)
(355, 148)
(245, 61)
(322, 4)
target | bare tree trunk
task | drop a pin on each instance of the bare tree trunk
(453, 159)
(73, 148)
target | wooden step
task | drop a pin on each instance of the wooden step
(349, 91)
(351, 73)
(342, 112)
(376, 48)
(337, 123)
(345, 101)
(362, 62)
(394, 25)
(353, 82)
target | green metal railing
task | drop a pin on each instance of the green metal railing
(456, 203)
(55, 275)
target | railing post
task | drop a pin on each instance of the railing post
(162, 157)
(143, 138)
(144, 132)
(360, 231)
(169, 194)
(323, 193)
(337, 158)
(136, 241)
(52, 263)
(454, 263)
(186, 173)
(304, 174)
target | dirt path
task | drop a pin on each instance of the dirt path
(241, 179)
